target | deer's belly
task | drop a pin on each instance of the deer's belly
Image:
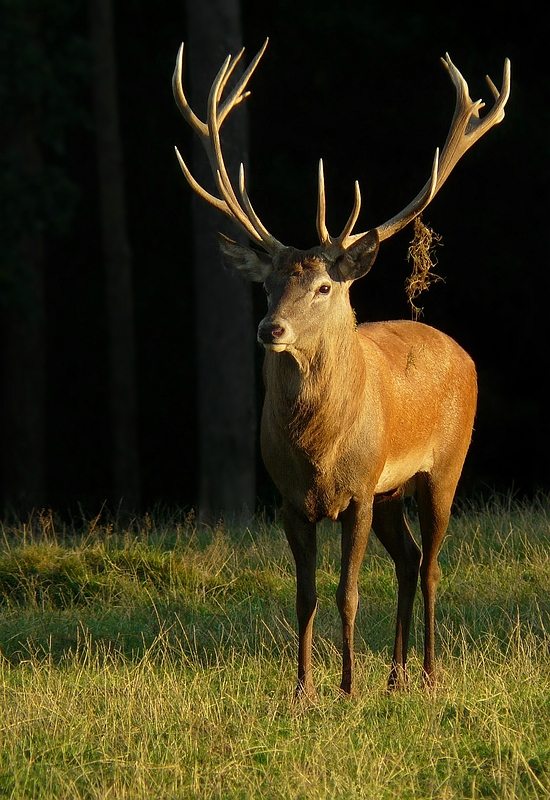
(398, 471)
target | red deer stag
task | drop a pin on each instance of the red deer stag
(355, 417)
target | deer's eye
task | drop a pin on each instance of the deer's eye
(324, 288)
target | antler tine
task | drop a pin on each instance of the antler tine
(340, 242)
(213, 126)
(181, 101)
(344, 237)
(232, 62)
(238, 94)
(213, 201)
(230, 209)
(209, 134)
(502, 96)
(466, 128)
(260, 229)
(324, 236)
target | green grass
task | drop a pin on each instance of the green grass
(159, 662)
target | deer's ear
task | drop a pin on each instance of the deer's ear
(252, 265)
(359, 258)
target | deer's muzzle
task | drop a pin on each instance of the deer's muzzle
(275, 335)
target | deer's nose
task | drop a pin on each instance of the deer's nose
(269, 332)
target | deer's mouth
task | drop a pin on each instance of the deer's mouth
(276, 347)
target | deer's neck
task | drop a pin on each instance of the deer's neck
(314, 395)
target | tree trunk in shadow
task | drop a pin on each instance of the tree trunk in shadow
(24, 374)
(118, 261)
(223, 302)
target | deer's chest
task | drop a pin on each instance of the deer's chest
(313, 492)
(315, 487)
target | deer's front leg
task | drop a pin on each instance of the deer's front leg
(302, 538)
(356, 523)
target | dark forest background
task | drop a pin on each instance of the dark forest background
(358, 83)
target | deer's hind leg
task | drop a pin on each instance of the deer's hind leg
(392, 529)
(434, 498)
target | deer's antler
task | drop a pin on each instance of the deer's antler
(239, 211)
(466, 128)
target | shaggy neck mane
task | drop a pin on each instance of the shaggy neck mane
(319, 395)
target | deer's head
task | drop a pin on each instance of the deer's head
(307, 291)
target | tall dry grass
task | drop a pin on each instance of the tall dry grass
(159, 662)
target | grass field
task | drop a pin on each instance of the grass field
(159, 662)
